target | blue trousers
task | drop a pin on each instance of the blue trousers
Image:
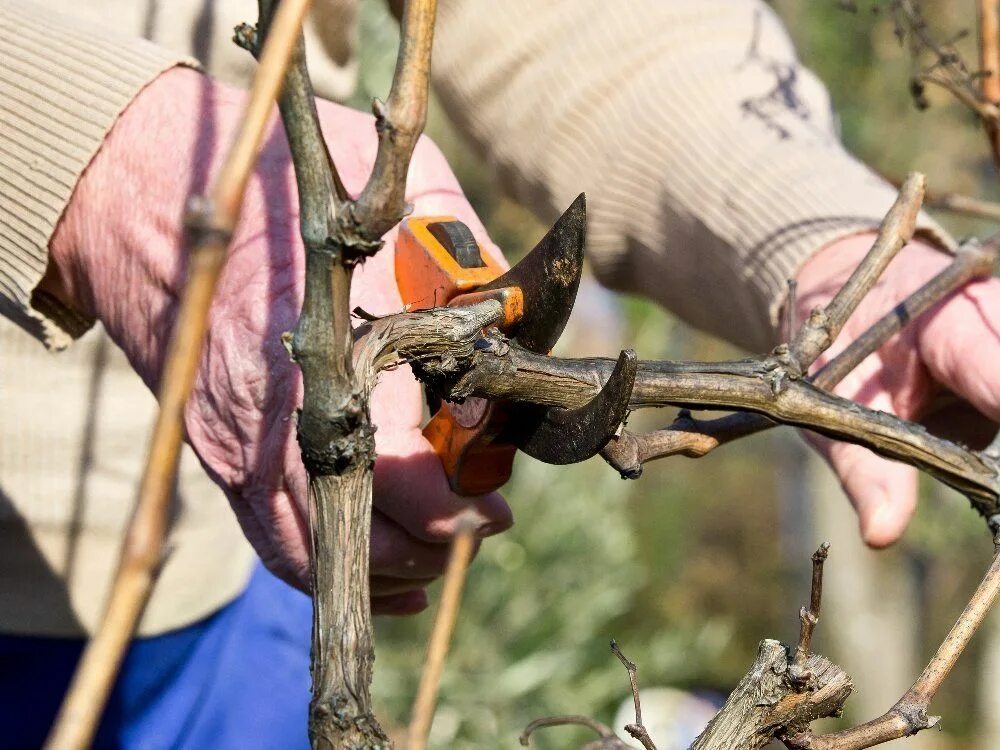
(237, 679)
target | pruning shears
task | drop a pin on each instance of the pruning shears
(439, 262)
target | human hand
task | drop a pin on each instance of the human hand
(952, 349)
(118, 255)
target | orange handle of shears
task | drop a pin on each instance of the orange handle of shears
(438, 263)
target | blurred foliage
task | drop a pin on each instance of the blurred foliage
(691, 566)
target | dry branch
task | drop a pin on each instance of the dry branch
(824, 324)
(636, 729)
(608, 739)
(964, 204)
(499, 369)
(946, 69)
(909, 715)
(211, 222)
(766, 703)
(808, 619)
(335, 433)
(771, 700)
(694, 438)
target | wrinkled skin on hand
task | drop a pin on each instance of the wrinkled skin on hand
(942, 369)
(118, 256)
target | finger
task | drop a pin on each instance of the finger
(960, 344)
(396, 405)
(396, 553)
(387, 585)
(412, 489)
(284, 541)
(408, 603)
(263, 544)
(883, 492)
(958, 421)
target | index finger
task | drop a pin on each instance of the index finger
(959, 342)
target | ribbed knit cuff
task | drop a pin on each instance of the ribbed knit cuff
(62, 86)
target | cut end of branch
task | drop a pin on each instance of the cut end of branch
(800, 677)
(245, 37)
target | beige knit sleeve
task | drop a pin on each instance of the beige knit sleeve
(62, 85)
(709, 155)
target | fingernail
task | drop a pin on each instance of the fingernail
(878, 528)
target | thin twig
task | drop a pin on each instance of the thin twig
(808, 619)
(637, 729)
(819, 332)
(440, 640)
(986, 111)
(964, 204)
(695, 438)
(909, 714)
(972, 261)
(602, 730)
(211, 222)
(947, 70)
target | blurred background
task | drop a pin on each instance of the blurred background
(692, 565)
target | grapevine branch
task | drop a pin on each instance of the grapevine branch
(771, 386)
(808, 619)
(909, 715)
(989, 66)
(335, 433)
(786, 689)
(636, 729)
(780, 695)
(964, 204)
(694, 438)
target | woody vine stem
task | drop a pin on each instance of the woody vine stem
(334, 425)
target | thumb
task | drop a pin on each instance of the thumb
(883, 492)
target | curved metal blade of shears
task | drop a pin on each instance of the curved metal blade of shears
(566, 436)
(549, 277)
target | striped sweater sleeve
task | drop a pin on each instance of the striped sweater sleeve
(62, 85)
(709, 155)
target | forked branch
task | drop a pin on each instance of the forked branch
(687, 437)
(692, 437)
(335, 433)
(637, 729)
(909, 715)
